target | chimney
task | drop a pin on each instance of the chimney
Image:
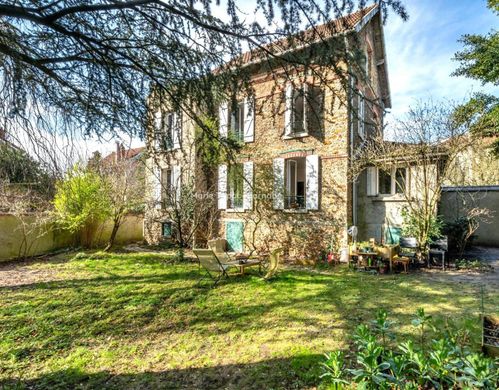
(117, 157)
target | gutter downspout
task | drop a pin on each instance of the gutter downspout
(350, 104)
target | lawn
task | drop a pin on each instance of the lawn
(139, 321)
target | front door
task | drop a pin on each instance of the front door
(234, 236)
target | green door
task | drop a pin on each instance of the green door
(234, 236)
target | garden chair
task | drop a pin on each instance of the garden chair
(215, 269)
(439, 248)
(408, 248)
(274, 259)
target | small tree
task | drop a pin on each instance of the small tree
(429, 141)
(464, 227)
(123, 182)
(80, 202)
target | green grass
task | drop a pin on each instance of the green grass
(134, 321)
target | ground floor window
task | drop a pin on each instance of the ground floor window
(392, 181)
(295, 183)
(166, 229)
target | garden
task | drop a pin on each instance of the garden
(138, 320)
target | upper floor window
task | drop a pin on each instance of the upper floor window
(167, 129)
(361, 114)
(236, 121)
(303, 110)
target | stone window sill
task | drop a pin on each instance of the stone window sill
(238, 210)
(295, 211)
(295, 135)
(388, 198)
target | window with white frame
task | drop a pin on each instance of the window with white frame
(166, 184)
(167, 130)
(390, 181)
(235, 186)
(295, 183)
(237, 120)
(303, 111)
(361, 109)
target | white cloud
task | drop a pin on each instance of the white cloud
(420, 51)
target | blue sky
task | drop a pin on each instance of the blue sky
(420, 51)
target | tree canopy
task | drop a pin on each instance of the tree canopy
(479, 60)
(90, 66)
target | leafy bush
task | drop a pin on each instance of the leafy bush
(423, 226)
(473, 264)
(445, 362)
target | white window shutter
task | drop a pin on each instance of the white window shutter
(288, 112)
(222, 187)
(312, 182)
(177, 129)
(306, 105)
(176, 181)
(223, 119)
(157, 187)
(278, 165)
(248, 185)
(372, 181)
(361, 113)
(249, 119)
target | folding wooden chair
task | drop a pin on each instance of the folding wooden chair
(274, 260)
(215, 269)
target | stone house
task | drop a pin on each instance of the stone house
(288, 184)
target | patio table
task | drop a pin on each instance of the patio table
(368, 255)
(243, 263)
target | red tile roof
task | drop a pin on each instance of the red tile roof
(307, 37)
(126, 154)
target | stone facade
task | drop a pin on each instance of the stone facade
(316, 162)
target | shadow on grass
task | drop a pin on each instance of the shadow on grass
(280, 373)
(161, 304)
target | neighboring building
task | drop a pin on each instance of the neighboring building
(471, 180)
(289, 185)
(121, 153)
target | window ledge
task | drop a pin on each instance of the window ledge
(295, 211)
(238, 210)
(295, 135)
(388, 198)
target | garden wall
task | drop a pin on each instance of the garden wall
(455, 199)
(13, 243)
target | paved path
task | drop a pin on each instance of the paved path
(490, 280)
